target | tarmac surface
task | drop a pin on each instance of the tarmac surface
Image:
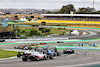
(80, 58)
(65, 60)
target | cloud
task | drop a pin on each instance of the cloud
(47, 4)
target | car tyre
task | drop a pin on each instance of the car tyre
(50, 56)
(37, 59)
(18, 55)
(24, 58)
(58, 54)
(63, 52)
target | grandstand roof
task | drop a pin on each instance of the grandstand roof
(89, 15)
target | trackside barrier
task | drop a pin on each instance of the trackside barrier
(81, 44)
(73, 28)
(87, 44)
(85, 26)
(36, 39)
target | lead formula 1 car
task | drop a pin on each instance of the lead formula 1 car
(68, 51)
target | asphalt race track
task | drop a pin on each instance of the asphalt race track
(80, 58)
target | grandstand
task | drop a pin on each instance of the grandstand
(72, 19)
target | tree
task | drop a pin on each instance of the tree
(7, 13)
(33, 32)
(16, 17)
(32, 16)
(81, 12)
(29, 18)
(23, 31)
(45, 30)
(38, 17)
(88, 9)
(67, 9)
(84, 10)
(48, 12)
(26, 17)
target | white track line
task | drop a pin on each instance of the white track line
(80, 65)
(8, 58)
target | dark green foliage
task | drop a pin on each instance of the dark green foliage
(33, 32)
(45, 30)
(18, 30)
(48, 12)
(67, 9)
(32, 16)
(29, 18)
(87, 10)
(16, 17)
(7, 13)
(23, 31)
(27, 32)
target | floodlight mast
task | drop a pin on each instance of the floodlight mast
(93, 5)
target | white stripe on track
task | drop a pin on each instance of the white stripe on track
(80, 65)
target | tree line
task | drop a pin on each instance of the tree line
(70, 8)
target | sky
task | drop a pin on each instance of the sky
(47, 4)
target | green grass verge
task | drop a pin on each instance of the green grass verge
(5, 54)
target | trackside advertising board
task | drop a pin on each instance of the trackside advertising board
(87, 44)
(5, 23)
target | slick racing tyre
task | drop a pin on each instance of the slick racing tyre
(24, 58)
(58, 54)
(37, 58)
(72, 52)
(45, 58)
(63, 52)
(18, 55)
(50, 56)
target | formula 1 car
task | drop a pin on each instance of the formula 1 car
(34, 44)
(39, 49)
(19, 47)
(48, 50)
(28, 55)
(2, 40)
(68, 51)
(43, 43)
(60, 42)
(52, 50)
(26, 47)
